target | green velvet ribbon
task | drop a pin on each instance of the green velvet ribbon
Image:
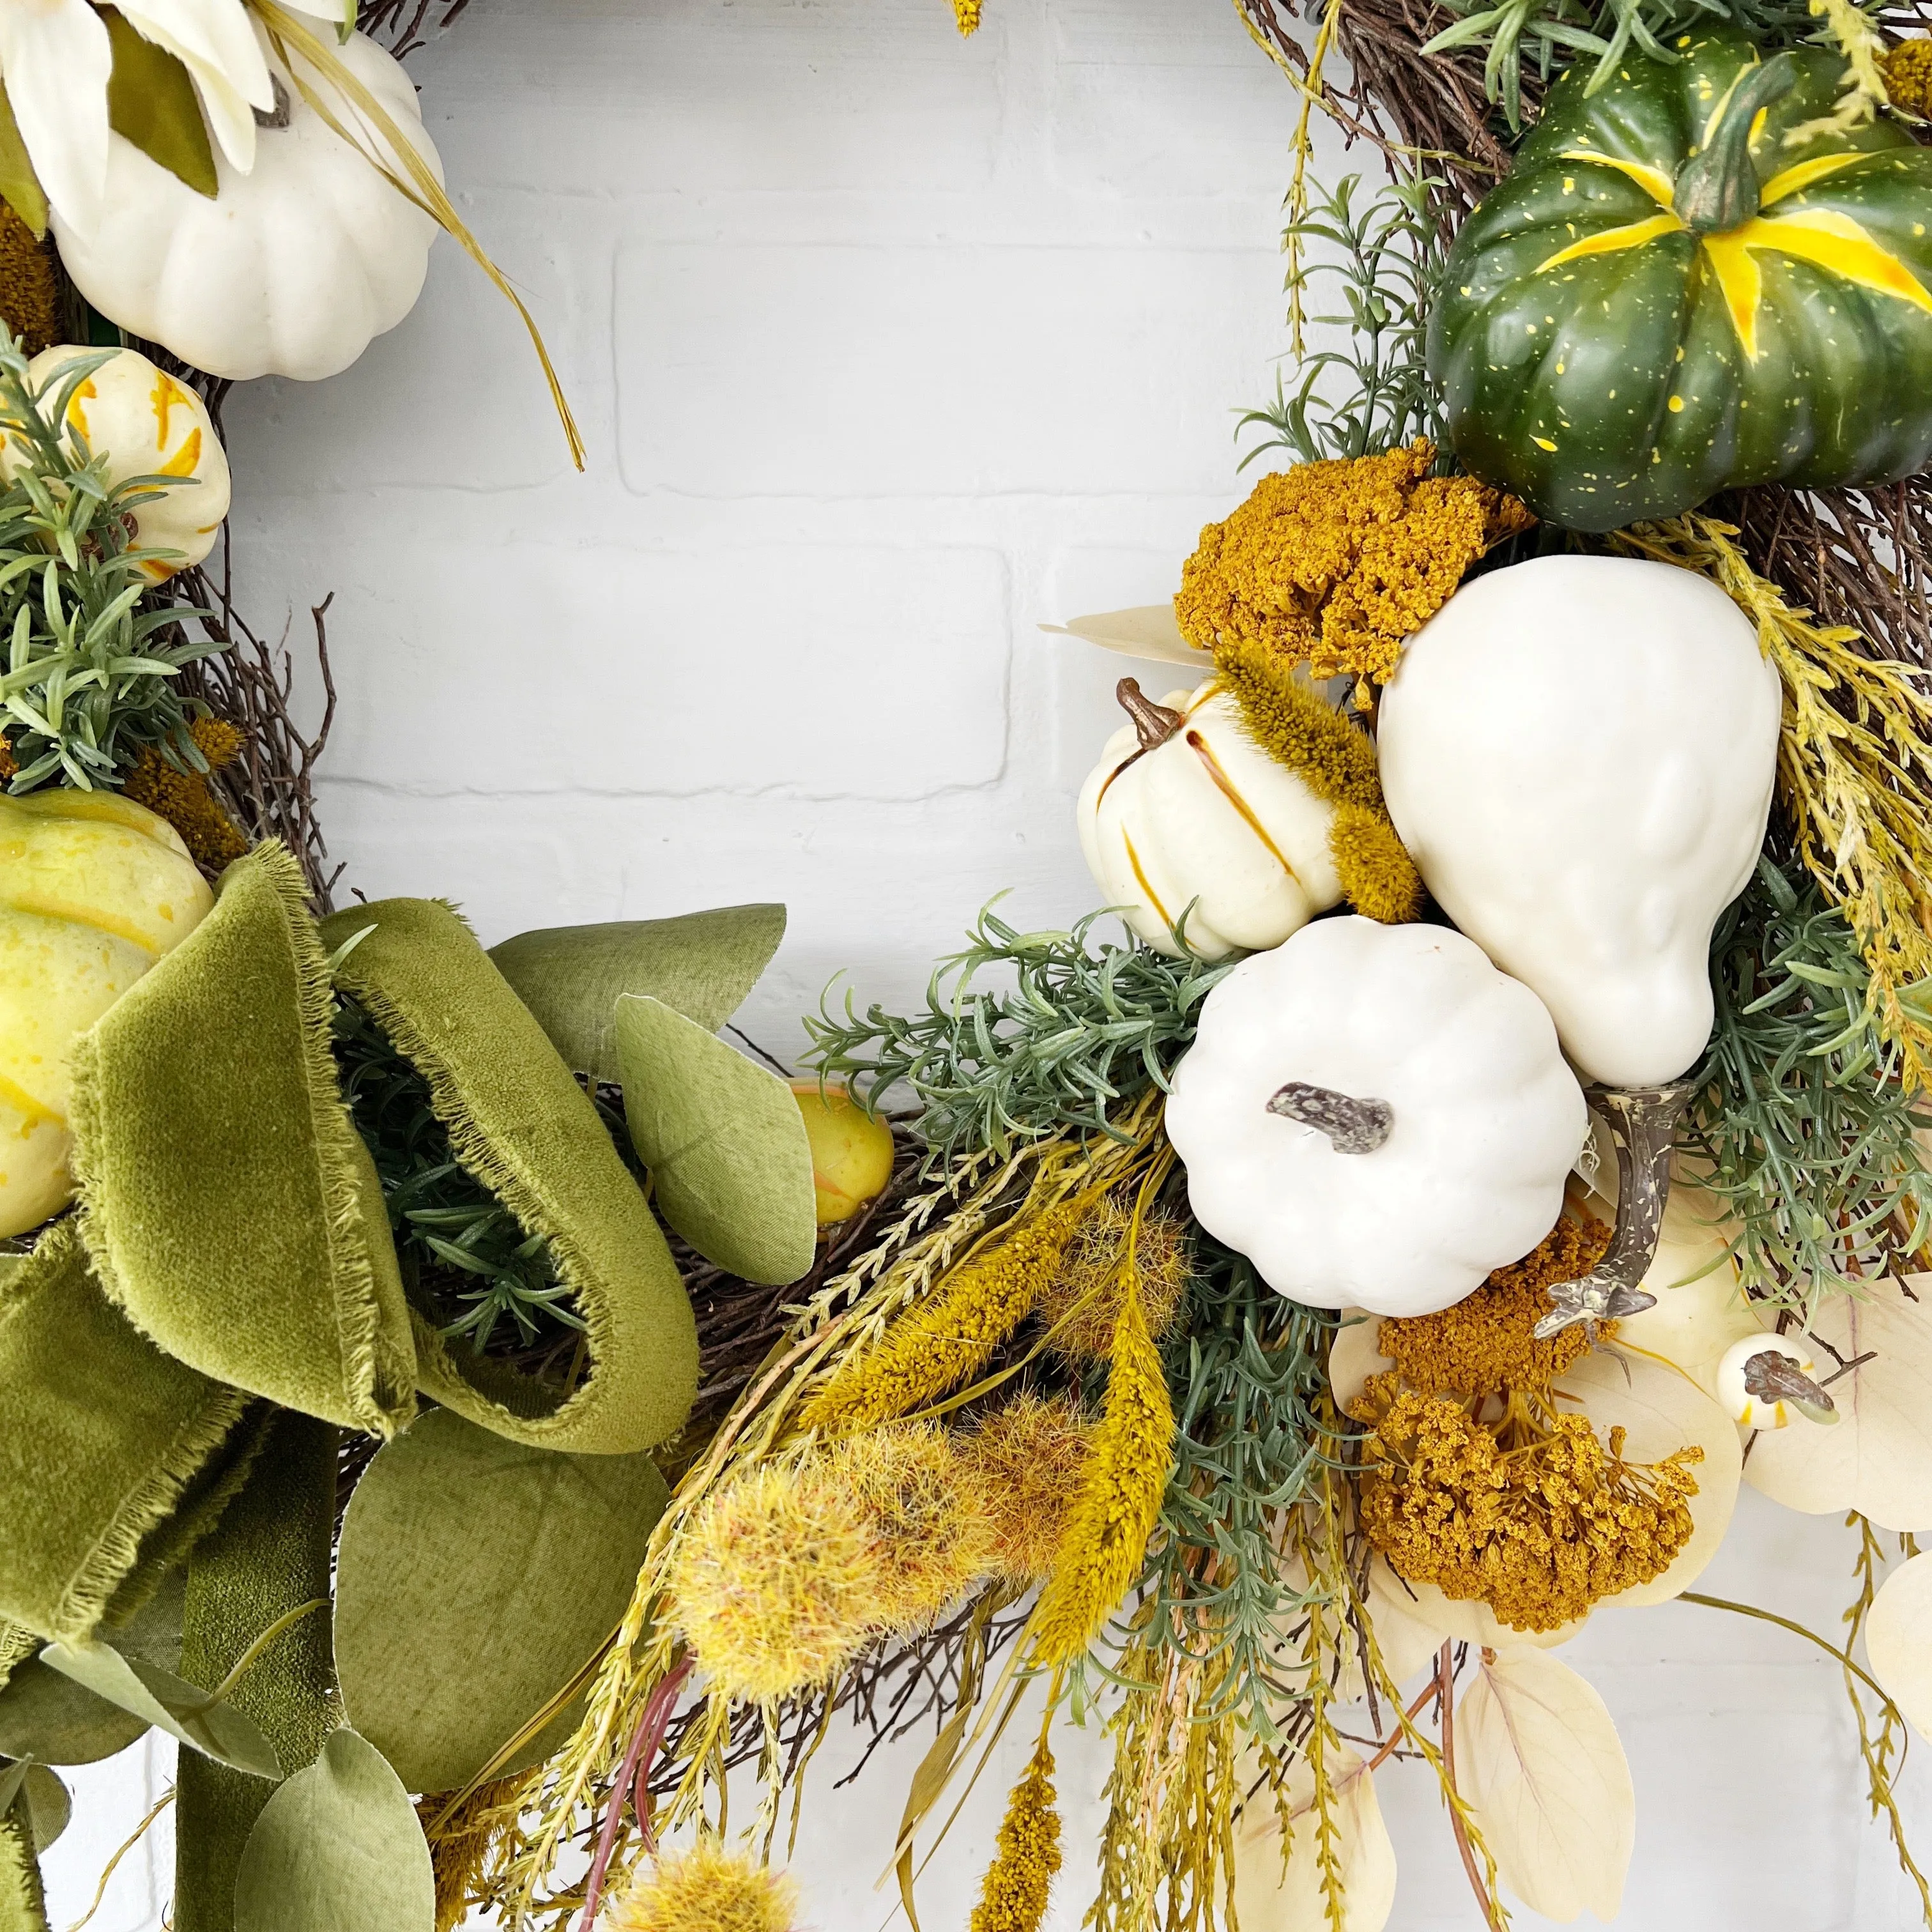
(23, 1906)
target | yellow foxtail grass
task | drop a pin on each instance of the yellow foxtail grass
(1105, 1544)
(461, 1837)
(1027, 1460)
(1014, 1893)
(1854, 773)
(372, 131)
(935, 1234)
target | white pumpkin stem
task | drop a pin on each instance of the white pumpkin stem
(1352, 1125)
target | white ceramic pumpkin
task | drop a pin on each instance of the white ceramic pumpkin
(1578, 752)
(293, 268)
(1186, 811)
(147, 425)
(1375, 1116)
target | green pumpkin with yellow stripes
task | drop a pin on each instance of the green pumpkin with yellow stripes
(1690, 281)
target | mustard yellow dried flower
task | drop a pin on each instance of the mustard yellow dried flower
(775, 1584)
(706, 1889)
(1483, 1345)
(1013, 1894)
(1336, 564)
(1105, 1540)
(1028, 1460)
(1535, 1516)
(953, 1333)
(30, 303)
(1082, 1303)
(184, 800)
(1289, 722)
(460, 1844)
(1907, 68)
(922, 1505)
(966, 13)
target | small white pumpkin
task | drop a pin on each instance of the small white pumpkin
(147, 425)
(1764, 1380)
(1578, 752)
(293, 268)
(1375, 1116)
(1185, 810)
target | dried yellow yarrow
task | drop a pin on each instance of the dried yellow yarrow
(1027, 1460)
(1082, 1303)
(1483, 1345)
(775, 1583)
(1336, 564)
(1908, 75)
(1539, 1524)
(184, 799)
(706, 1889)
(921, 1503)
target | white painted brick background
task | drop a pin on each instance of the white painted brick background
(886, 347)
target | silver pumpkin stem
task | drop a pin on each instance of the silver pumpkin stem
(1352, 1125)
(1642, 1121)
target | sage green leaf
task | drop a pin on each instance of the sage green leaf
(476, 1576)
(150, 102)
(49, 1717)
(212, 1726)
(731, 1165)
(338, 1849)
(702, 963)
(12, 1777)
(19, 185)
(49, 1805)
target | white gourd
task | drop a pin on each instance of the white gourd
(1209, 820)
(293, 268)
(1578, 752)
(1404, 1031)
(146, 424)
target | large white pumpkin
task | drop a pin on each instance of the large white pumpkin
(1205, 820)
(146, 424)
(1375, 1116)
(293, 268)
(1578, 752)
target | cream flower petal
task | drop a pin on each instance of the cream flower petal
(55, 58)
(215, 40)
(1878, 1458)
(1270, 1898)
(1898, 1641)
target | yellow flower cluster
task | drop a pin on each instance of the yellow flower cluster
(952, 1334)
(1483, 1345)
(1286, 719)
(1336, 564)
(184, 799)
(1082, 1303)
(1908, 75)
(966, 13)
(1027, 1460)
(706, 1889)
(1540, 1530)
(1013, 1895)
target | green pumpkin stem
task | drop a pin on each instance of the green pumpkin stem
(1716, 188)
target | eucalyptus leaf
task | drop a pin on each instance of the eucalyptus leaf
(725, 1143)
(701, 963)
(150, 102)
(476, 1576)
(212, 1726)
(338, 1849)
(19, 185)
(12, 1777)
(49, 1805)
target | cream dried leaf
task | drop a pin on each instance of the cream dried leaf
(1539, 1763)
(1898, 1641)
(1268, 1898)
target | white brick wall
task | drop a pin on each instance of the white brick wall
(886, 347)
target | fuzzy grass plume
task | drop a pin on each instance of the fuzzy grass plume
(1028, 1461)
(1013, 1894)
(1854, 774)
(706, 1889)
(1082, 1305)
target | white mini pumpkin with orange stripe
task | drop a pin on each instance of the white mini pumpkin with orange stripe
(1186, 816)
(146, 423)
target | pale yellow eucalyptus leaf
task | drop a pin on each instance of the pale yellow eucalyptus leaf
(1148, 631)
(1270, 1897)
(1878, 1458)
(1898, 1641)
(1539, 1762)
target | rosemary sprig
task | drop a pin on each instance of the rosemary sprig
(1084, 1027)
(1800, 1118)
(464, 1256)
(88, 679)
(1376, 394)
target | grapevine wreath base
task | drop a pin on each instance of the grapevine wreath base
(474, 1408)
